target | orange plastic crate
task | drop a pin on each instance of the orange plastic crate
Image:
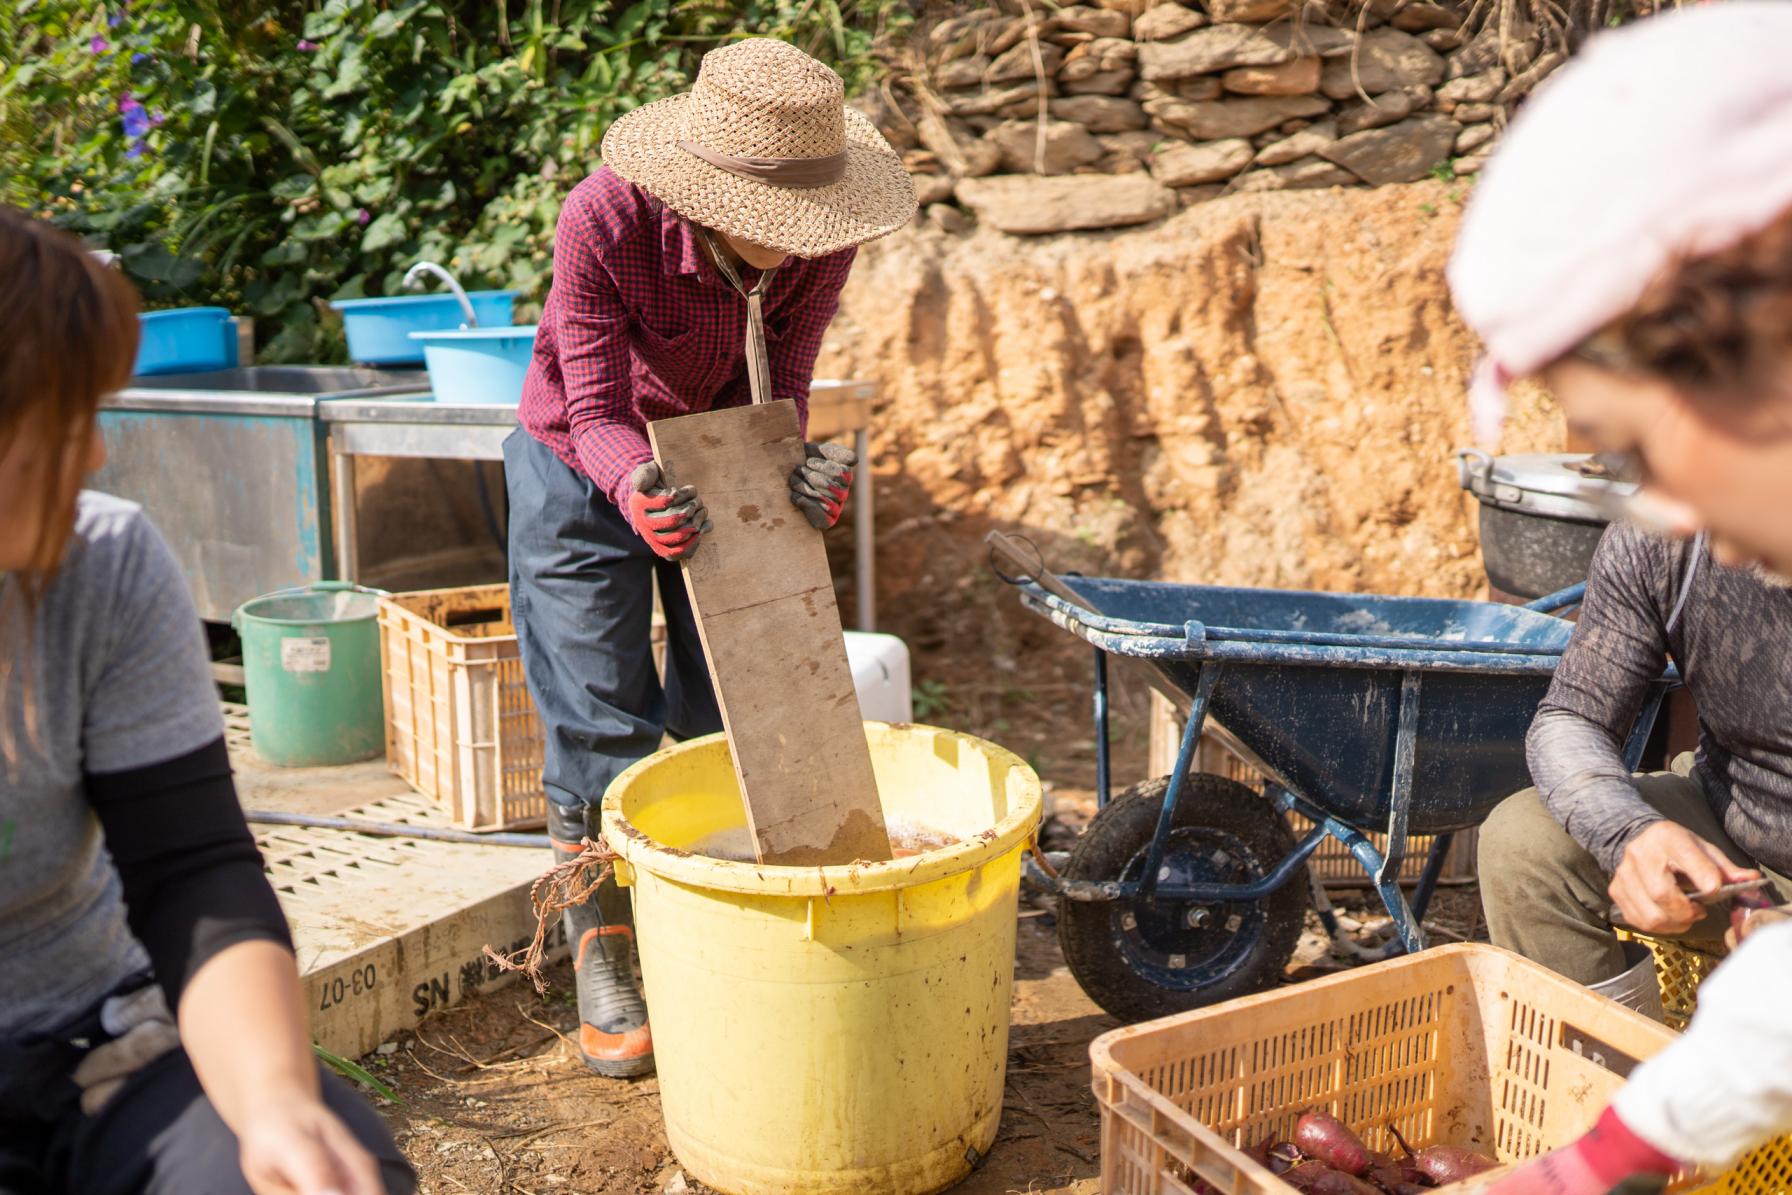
(1466, 1045)
(460, 724)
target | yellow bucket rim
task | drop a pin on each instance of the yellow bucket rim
(639, 851)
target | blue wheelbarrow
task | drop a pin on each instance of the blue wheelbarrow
(1396, 715)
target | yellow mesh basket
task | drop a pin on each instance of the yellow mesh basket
(1681, 967)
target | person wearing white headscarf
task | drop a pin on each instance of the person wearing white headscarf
(1631, 244)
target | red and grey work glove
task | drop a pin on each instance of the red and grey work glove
(820, 485)
(670, 520)
(1594, 1164)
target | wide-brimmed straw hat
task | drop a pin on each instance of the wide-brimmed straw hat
(764, 148)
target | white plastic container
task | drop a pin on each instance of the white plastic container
(880, 674)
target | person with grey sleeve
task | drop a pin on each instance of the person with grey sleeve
(153, 1035)
(1554, 860)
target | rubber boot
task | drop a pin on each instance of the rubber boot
(614, 1038)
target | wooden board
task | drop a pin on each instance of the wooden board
(764, 600)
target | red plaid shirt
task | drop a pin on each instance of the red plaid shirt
(639, 326)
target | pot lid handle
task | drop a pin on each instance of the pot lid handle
(1472, 465)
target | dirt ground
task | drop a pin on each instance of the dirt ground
(494, 1098)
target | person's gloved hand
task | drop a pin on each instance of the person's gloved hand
(1608, 1154)
(670, 520)
(820, 485)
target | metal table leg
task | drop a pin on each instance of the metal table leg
(342, 512)
(864, 551)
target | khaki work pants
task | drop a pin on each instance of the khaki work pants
(1546, 897)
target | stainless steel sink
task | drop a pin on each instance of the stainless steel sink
(233, 466)
(259, 383)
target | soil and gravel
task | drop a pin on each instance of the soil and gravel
(496, 1100)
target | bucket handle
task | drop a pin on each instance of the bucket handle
(236, 615)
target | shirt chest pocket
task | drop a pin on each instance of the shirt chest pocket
(672, 356)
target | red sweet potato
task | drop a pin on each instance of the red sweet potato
(1445, 1164)
(1278, 1157)
(1326, 1139)
(1319, 1179)
(1384, 1172)
(1284, 1156)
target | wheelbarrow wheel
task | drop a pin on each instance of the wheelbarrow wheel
(1139, 962)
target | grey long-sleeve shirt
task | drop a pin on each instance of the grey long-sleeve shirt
(1733, 645)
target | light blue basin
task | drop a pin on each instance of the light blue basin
(185, 340)
(478, 365)
(379, 330)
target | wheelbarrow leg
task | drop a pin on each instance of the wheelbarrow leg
(1191, 736)
(1638, 741)
(1434, 867)
(1101, 729)
(1387, 876)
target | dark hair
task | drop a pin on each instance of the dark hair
(68, 337)
(1720, 326)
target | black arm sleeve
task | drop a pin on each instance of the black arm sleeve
(193, 883)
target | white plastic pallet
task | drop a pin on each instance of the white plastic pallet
(387, 929)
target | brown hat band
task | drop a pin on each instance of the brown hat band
(779, 172)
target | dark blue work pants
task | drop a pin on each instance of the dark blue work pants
(581, 594)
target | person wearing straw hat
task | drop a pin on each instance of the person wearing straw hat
(1662, 322)
(697, 269)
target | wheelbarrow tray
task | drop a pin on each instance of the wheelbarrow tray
(1312, 685)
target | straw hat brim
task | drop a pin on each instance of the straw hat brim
(872, 199)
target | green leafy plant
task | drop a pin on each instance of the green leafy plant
(271, 155)
(355, 1072)
(931, 698)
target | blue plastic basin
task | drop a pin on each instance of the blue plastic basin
(478, 365)
(186, 340)
(379, 330)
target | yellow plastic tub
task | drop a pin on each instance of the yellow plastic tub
(829, 1029)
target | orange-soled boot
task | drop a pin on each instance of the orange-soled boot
(613, 1035)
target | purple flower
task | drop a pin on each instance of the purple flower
(307, 47)
(99, 45)
(136, 149)
(134, 117)
(156, 118)
(116, 19)
(363, 216)
(139, 58)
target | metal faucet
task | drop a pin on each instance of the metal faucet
(413, 275)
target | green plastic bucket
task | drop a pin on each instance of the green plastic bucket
(311, 664)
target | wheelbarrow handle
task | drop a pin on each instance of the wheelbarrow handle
(1016, 560)
(1561, 599)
